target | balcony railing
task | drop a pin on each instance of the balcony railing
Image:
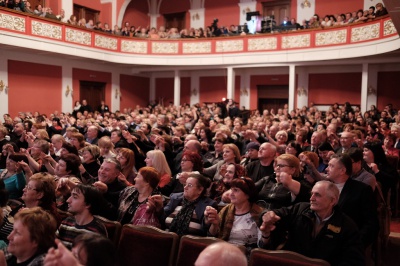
(19, 23)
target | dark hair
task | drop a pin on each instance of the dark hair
(346, 161)
(196, 160)
(379, 154)
(70, 148)
(296, 146)
(246, 185)
(99, 250)
(93, 198)
(356, 154)
(150, 175)
(17, 157)
(73, 162)
(202, 181)
(57, 120)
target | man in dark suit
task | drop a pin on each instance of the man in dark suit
(356, 198)
(316, 141)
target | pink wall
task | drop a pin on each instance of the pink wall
(134, 91)
(388, 92)
(323, 7)
(136, 13)
(213, 89)
(165, 89)
(33, 87)
(105, 9)
(334, 87)
(227, 12)
(91, 75)
(264, 80)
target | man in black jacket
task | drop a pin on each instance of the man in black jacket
(316, 229)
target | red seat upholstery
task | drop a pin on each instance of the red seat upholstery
(191, 246)
(113, 229)
(260, 256)
(146, 246)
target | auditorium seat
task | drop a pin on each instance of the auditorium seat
(113, 229)
(146, 245)
(191, 246)
(260, 256)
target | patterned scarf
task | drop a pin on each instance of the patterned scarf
(180, 224)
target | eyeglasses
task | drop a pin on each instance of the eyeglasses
(28, 187)
(281, 165)
(189, 185)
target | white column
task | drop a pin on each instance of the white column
(4, 78)
(177, 88)
(67, 89)
(197, 18)
(292, 83)
(115, 92)
(152, 92)
(194, 88)
(231, 83)
(245, 89)
(153, 20)
(372, 84)
(68, 7)
(302, 82)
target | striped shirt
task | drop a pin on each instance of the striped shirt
(69, 229)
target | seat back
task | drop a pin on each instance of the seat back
(113, 229)
(260, 256)
(146, 245)
(191, 246)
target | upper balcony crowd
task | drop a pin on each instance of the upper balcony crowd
(214, 30)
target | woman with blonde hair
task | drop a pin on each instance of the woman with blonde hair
(106, 148)
(42, 134)
(156, 159)
(231, 154)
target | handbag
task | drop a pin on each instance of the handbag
(145, 217)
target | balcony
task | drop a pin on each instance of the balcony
(30, 32)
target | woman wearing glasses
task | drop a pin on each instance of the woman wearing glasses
(238, 222)
(283, 188)
(184, 213)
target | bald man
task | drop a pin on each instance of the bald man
(221, 254)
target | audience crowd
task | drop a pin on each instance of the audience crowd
(214, 30)
(207, 170)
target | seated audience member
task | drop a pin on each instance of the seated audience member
(13, 175)
(90, 166)
(356, 198)
(316, 229)
(156, 159)
(251, 153)
(109, 184)
(283, 188)
(380, 10)
(237, 222)
(106, 148)
(190, 162)
(385, 174)
(84, 202)
(88, 249)
(184, 213)
(133, 199)
(4, 213)
(221, 254)
(32, 236)
(358, 172)
(388, 145)
(218, 188)
(231, 154)
(265, 165)
(126, 157)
